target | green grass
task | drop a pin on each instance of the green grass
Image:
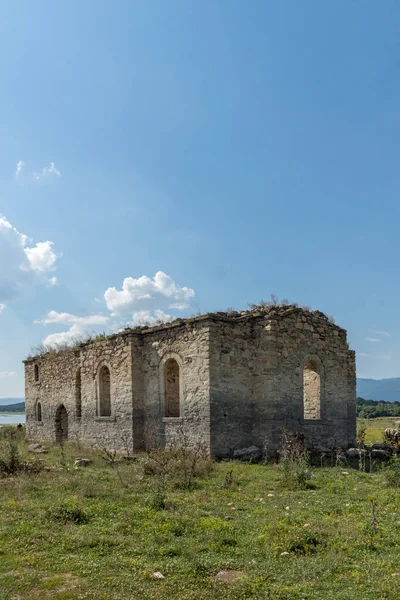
(376, 427)
(94, 533)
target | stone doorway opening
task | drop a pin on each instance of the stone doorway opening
(61, 424)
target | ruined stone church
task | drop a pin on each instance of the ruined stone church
(225, 380)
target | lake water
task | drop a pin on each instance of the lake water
(10, 419)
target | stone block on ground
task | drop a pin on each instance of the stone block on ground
(380, 454)
(82, 462)
(385, 447)
(37, 449)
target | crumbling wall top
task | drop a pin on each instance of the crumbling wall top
(276, 312)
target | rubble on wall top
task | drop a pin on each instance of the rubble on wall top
(267, 312)
(264, 311)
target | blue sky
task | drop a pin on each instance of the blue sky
(240, 148)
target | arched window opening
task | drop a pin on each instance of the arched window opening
(78, 394)
(172, 390)
(36, 372)
(312, 390)
(38, 412)
(104, 392)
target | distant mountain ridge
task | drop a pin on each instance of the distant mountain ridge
(379, 389)
(11, 401)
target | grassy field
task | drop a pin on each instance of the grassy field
(101, 532)
(376, 427)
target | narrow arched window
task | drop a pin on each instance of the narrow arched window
(172, 388)
(78, 394)
(312, 390)
(36, 372)
(104, 392)
(38, 412)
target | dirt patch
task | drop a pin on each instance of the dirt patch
(228, 576)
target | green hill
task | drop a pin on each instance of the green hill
(17, 407)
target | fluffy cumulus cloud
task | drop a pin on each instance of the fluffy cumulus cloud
(41, 257)
(70, 337)
(145, 294)
(79, 327)
(142, 301)
(22, 262)
(145, 317)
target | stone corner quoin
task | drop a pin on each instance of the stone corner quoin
(225, 381)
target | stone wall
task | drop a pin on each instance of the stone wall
(188, 344)
(241, 380)
(56, 387)
(288, 341)
(257, 380)
(232, 360)
(136, 365)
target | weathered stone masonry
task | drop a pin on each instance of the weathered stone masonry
(226, 380)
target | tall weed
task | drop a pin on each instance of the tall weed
(295, 461)
(10, 456)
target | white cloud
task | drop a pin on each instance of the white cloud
(385, 333)
(142, 301)
(18, 170)
(144, 317)
(375, 356)
(73, 335)
(41, 257)
(77, 331)
(54, 317)
(79, 325)
(23, 263)
(369, 339)
(47, 171)
(2, 307)
(145, 294)
(4, 374)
